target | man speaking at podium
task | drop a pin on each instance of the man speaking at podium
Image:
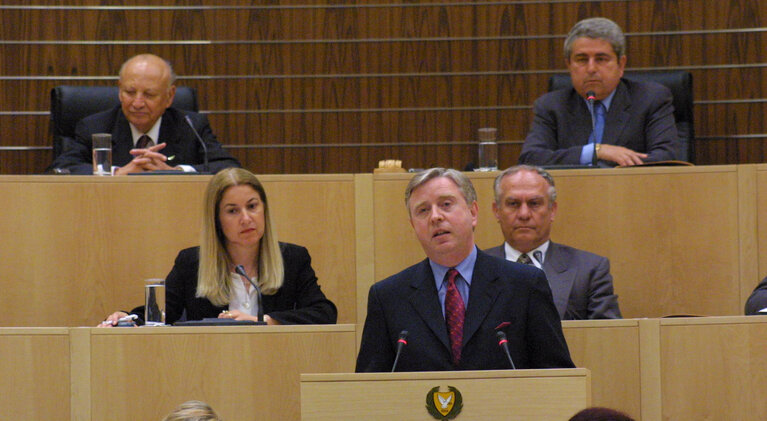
(453, 304)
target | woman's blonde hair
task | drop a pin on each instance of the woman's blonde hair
(215, 263)
(193, 411)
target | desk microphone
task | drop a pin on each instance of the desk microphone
(401, 342)
(504, 343)
(591, 97)
(204, 148)
(241, 271)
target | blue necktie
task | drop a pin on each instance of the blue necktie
(599, 122)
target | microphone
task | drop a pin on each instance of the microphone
(538, 256)
(401, 342)
(204, 148)
(591, 97)
(504, 343)
(260, 312)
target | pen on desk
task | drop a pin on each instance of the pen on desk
(121, 319)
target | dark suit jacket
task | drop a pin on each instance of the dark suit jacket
(580, 282)
(640, 118)
(508, 296)
(298, 301)
(758, 299)
(174, 131)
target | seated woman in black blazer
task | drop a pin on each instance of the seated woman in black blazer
(237, 230)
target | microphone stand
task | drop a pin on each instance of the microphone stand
(260, 311)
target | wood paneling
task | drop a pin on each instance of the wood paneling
(610, 349)
(718, 361)
(244, 373)
(36, 372)
(283, 74)
(662, 261)
(77, 251)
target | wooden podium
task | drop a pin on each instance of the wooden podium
(555, 394)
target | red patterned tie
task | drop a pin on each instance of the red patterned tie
(144, 142)
(454, 312)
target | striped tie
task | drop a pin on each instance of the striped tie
(454, 313)
(524, 258)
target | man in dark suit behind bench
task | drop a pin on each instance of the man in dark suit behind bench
(453, 303)
(147, 133)
(629, 123)
(525, 205)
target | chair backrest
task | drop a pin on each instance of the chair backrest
(679, 82)
(70, 104)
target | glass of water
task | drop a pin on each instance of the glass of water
(154, 302)
(488, 149)
(102, 153)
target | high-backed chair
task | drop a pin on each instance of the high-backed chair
(679, 82)
(70, 104)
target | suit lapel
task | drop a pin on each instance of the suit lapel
(482, 295)
(579, 120)
(122, 140)
(618, 116)
(425, 301)
(169, 134)
(556, 265)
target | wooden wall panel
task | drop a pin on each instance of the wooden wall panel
(74, 241)
(311, 77)
(661, 260)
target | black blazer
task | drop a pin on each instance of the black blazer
(758, 299)
(640, 118)
(580, 282)
(174, 131)
(299, 301)
(504, 296)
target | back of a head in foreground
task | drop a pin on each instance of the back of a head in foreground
(193, 411)
(600, 414)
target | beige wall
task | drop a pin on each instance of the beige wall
(680, 240)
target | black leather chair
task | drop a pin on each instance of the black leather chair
(680, 84)
(70, 104)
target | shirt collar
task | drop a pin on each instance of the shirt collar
(513, 254)
(153, 133)
(606, 102)
(465, 268)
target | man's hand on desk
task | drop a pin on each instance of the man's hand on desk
(624, 157)
(148, 159)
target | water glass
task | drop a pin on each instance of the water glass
(102, 153)
(154, 302)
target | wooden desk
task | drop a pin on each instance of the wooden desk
(611, 350)
(653, 369)
(35, 370)
(486, 395)
(713, 368)
(242, 372)
(75, 250)
(681, 240)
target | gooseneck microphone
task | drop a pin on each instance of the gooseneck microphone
(202, 143)
(401, 342)
(591, 97)
(504, 343)
(260, 312)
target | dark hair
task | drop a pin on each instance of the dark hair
(596, 413)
